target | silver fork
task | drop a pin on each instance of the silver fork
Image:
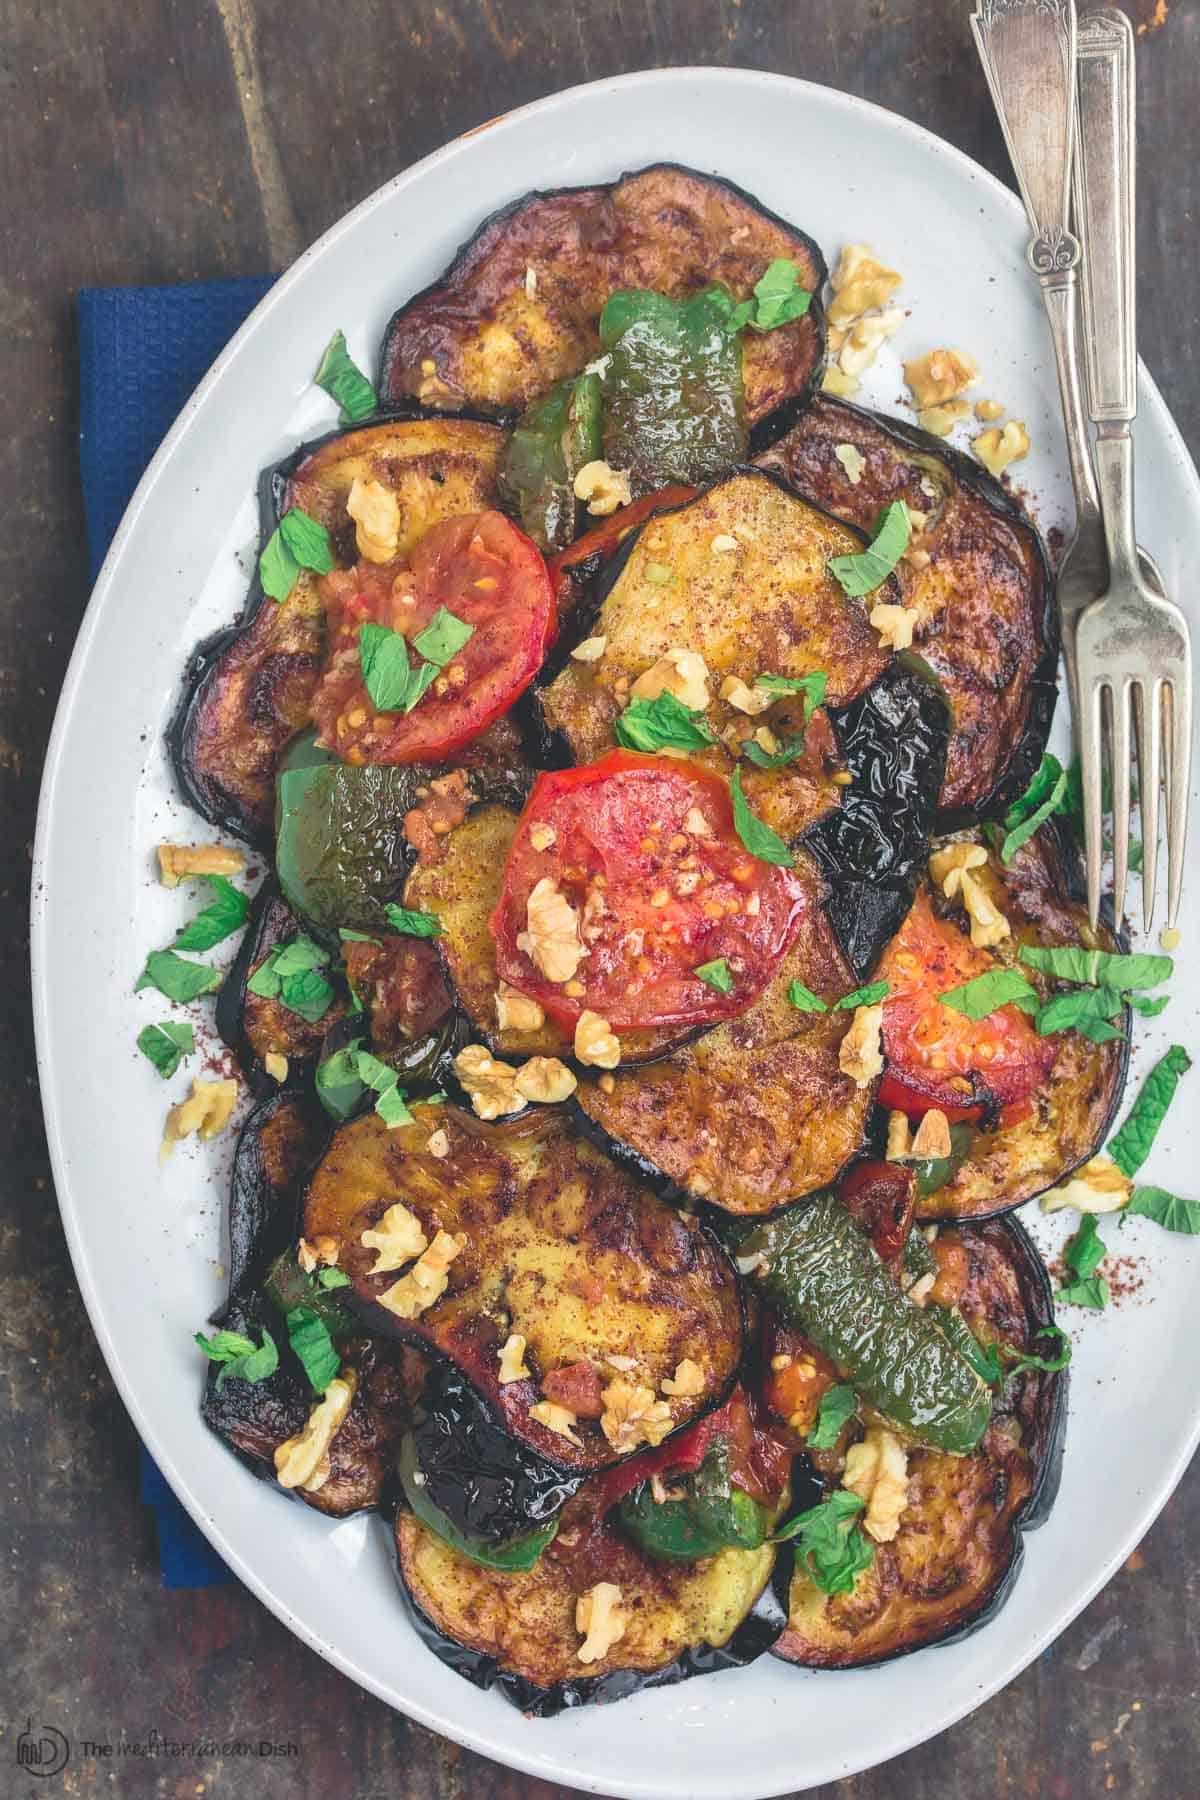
(1132, 644)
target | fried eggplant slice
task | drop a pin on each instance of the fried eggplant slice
(277, 1148)
(757, 1112)
(519, 306)
(977, 578)
(959, 1544)
(255, 1026)
(249, 689)
(518, 1631)
(537, 1235)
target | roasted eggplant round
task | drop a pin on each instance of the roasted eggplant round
(256, 1026)
(278, 1146)
(957, 1550)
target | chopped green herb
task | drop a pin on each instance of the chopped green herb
(715, 975)
(997, 1361)
(1099, 968)
(778, 298)
(804, 1000)
(791, 745)
(758, 838)
(309, 1337)
(811, 686)
(1148, 1005)
(383, 1081)
(226, 913)
(394, 686)
(981, 997)
(298, 954)
(863, 571)
(662, 724)
(862, 996)
(240, 1358)
(1166, 1210)
(1086, 1010)
(392, 1108)
(344, 381)
(832, 1548)
(837, 1405)
(166, 1045)
(333, 1278)
(339, 1086)
(307, 540)
(443, 637)
(1093, 1293)
(307, 994)
(1131, 1146)
(291, 974)
(356, 937)
(177, 977)
(412, 923)
(1085, 1252)
(278, 569)
(1046, 794)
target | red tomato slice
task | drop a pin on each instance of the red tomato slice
(938, 1057)
(643, 849)
(489, 575)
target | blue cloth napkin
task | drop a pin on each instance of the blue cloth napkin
(141, 352)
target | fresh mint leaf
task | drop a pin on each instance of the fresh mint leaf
(292, 975)
(278, 569)
(1166, 1210)
(861, 572)
(356, 937)
(662, 724)
(1086, 1010)
(1093, 1293)
(1019, 1361)
(791, 745)
(226, 913)
(979, 998)
(298, 954)
(837, 1405)
(383, 1081)
(1085, 1252)
(443, 637)
(1046, 794)
(804, 1000)
(778, 298)
(345, 382)
(307, 540)
(339, 1086)
(1099, 968)
(392, 1108)
(240, 1357)
(307, 994)
(812, 686)
(386, 672)
(758, 838)
(309, 1337)
(413, 923)
(332, 1278)
(1131, 1146)
(830, 1545)
(166, 1045)
(176, 977)
(715, 975)
(1148, 1005)
(862, 996)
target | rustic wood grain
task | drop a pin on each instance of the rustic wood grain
(158, 140)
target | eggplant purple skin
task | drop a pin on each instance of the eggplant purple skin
(262, 1215)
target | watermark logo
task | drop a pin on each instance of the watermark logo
(42, 1752)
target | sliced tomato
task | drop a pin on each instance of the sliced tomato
(644, 852)
(937, 1057)
(491, 577)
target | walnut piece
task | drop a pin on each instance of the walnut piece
(682, 673)
(1099, 1187)
(988, 924)
(603, 488)
(931, 1139)
(545, 1080)
(860, 1055)
(175, 861)
(298, 1459)
(940, 375)
(601, 1621)
(206, 1111)
(276, 1066)
(491, 1085)
(596, 1043)
(376, 514)
(559, 1419)
(852, 460)
(687, 1381)
(894, 625)
(899, 1138)
(512, 1359)
(860, 281)
(396, 1239)
(426, 1281)
(987, 410)
(1000, 446)
(865, 338)
(946, 866)
(551, 939)
(516, 1011)
(591, 649)
(877, 1471)
(746, 699)
(940, 421)
(632, 1416)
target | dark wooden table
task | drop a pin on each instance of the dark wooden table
(167, 140)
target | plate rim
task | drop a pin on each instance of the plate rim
(471, 1736)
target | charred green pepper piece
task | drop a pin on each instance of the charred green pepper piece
(823, 1276)
(936, 1171)
(518, 1553)
(340, 849)
(713, 1515)
(673, 401)
(287, 1286)
(553, 440)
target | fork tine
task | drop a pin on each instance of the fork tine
(1147, 722)
(1089, 768)
(1177, 706)
(1119, 766)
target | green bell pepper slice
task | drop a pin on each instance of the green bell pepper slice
(713, 1515)
(553, 440)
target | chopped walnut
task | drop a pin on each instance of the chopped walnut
(931, 1139)
(940, 421)
(516, 1011)
(682, 673)
(322, 1249)
(687, 1381)
(376, 514)
(551, 939)
(559, 1419)
(396, 1239)
(596, 1042)
(860, 1055)
(601, 1621)
(987, 410)
(940, 375)
(852, 460)
(877, 1471)
(603, 489)
(298, 1459)
(512, 1359)
(206, 1111)
(591, 649)
(988, 924)
(1099, 1187)
(632, 1416)
(1000, 446)
(276, 1066)
(545, 1080)
(866, 337)
(860, 281)
(491, 1085)
(894, 625)
(426, 1281)
(175, 861)
(899, 1138)
(746, 699)
(438, 1144)
(946, 866)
